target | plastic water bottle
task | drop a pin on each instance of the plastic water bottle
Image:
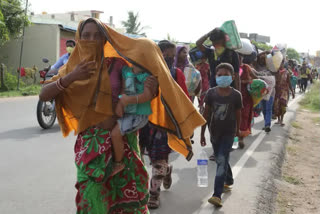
(235, 143)
(202, 171)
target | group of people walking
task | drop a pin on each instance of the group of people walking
(125, 97)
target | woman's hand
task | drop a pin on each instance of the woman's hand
(153, 85)
(124, 100)
(84, 70)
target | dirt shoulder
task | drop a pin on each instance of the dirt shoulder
(299, 187)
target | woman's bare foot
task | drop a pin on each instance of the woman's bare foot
(278, 122)
(117, 167)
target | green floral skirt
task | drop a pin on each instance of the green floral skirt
(98, 192)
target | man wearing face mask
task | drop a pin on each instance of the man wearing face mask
(155, 141)
(70, 44)
(220, 54)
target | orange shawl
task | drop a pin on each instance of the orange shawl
(78, 109)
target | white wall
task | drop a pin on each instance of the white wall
(40, 41)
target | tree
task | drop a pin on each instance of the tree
(132, 25)
(262, 46)
(293, 54)
(171, 39)
(12, 19)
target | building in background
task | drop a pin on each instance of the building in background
(45, 38)
(256, 37)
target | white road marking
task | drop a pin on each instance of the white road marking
(241, 162)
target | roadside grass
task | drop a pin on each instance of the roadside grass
(316, 119)
(291, 150)
(25, 91)
(292, 180)
(311, 100)
(296, 125)
(282, 203)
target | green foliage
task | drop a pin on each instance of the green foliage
(292, 180)
(262, 46)
(24, 91)
(192, 45)
(312, 99)
(4, 33)
(31, 90)
(12, 19)
(293, 54)
(171, 39)
(296, 125)
(132, 25)
(11, 81)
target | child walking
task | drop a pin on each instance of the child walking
(223, 112)
(134, 108)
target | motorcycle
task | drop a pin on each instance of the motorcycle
(46, 114)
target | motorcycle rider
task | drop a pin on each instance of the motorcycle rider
(70, 44)
(47, 108)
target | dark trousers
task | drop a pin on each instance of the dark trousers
(222, 147)
(304, 83)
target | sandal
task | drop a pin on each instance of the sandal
(215, 201)
(154, 201)
(227, 188)
(212, 158)
(167, 181)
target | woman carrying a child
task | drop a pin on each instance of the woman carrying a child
(86, 91)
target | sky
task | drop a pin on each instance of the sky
(293, 22)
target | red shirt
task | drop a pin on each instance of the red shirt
(181, 80)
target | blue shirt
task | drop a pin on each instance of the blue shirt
(63, 60)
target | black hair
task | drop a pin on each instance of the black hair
(248, 59)
(165, 44)
(89, 20)
(217, 35)
(226, 66)
(95, 21)
(71, 41)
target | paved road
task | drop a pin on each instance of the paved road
(37, 173)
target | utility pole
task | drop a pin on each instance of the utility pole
(21, 50)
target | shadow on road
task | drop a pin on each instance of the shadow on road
(27, 133)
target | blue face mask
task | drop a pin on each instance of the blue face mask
(224, 81)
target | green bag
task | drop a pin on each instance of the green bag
(230, 28)
(257, 90)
